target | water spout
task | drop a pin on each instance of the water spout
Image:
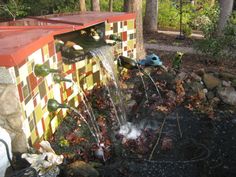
(53, 106)
(105, 56)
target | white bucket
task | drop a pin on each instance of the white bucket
(4, 162)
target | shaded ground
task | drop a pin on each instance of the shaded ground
(169, 38)
(208, 144)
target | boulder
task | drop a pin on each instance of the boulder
(226, 83)
(181, 76)
(196, 77)
(10, 105)
(227, 76)
(227, 95)
(210, 95)
(214, 102)
(200, 72)
(234, 83)
(80, 169)
(211, 81)
(196, 86)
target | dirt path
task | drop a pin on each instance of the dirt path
(170, 48)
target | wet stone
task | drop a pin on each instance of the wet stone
(211, 81)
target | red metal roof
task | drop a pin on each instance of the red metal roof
(22, 37)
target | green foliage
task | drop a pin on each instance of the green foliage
(220, 47)
(13, 9)
(168, 15)
(206, 20)
(187, 30)
(200, 16)
(117, 5)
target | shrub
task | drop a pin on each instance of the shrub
(220, 47)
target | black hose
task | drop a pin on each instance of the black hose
(8, 153)
(29, 171)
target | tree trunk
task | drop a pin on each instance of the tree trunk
(151, 13)
(226, 7)
(95, 5)
(82, 5)
(110, 5)
(136, 6)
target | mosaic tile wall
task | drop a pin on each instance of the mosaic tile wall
(34, 92)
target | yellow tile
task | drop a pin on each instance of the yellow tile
(47, 122)
(38, 113)
(30, 69)
(80, 64)
(130, 44)
(130, 24)
(108, 26)
(54, 124)
(33, 136)
(45, 50)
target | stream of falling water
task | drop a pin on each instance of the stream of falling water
(105, 55)
(93, 126)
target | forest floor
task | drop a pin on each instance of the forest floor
(165, 45)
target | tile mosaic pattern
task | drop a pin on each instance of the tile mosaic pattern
(34, 92)
(127, 31)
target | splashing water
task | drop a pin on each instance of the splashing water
(92, 124)
(152, 80)
(105, 54)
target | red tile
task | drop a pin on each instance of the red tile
(33, 81)
(69, 92)
(35, 102)
(19, 86)
(124, 36)
(59, 57)
(51, 49)
(43, 124)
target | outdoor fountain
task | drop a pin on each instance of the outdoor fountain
(131, 131)
(71, 94)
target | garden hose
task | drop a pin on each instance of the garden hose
(29, 171)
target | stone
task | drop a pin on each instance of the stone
(6, 77)
(210, 95)
(201, 95)
(234, 83)
(200, 72)
(196, 86)
(227, 95)
(181, 76)
(226, 83)
(11, 105)
(81, 169)
(211, 81)
(196, 77)
(168, 77)
(19, 143)
(227, 76)
(214, 102)
(14, 121)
